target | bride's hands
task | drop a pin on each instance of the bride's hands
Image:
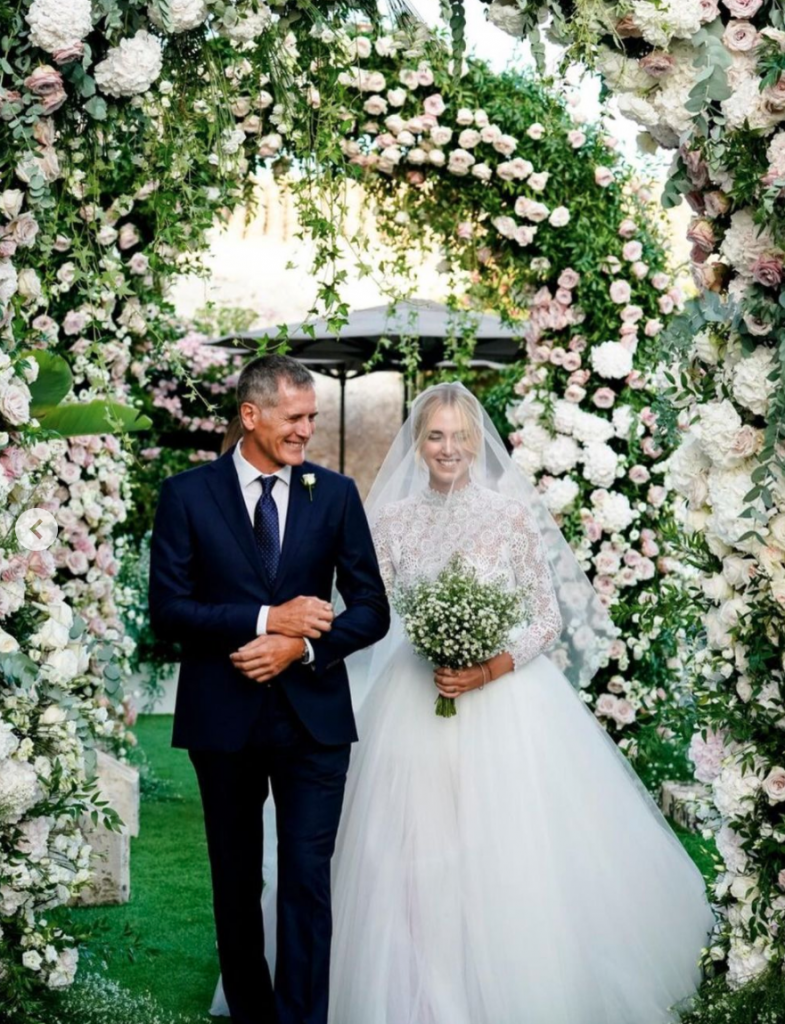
(452, 682)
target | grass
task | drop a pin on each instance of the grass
(162, 941)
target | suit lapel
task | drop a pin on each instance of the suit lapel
(225, 487)
(298, 519)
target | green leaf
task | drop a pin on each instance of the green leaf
(96, 108)
(96, 417)
(53, 383)
(18, 669)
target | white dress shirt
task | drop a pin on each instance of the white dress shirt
(251, 487)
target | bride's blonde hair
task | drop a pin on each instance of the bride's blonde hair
(465, 405)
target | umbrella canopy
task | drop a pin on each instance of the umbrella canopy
(347, 353)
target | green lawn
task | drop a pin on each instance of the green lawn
(163, 938)
(162, 941)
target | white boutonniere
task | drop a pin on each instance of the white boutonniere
(309, 481)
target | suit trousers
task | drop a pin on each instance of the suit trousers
(307, 781)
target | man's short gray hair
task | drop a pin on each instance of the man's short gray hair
(260, 378)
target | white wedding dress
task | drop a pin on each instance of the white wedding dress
(504, 866)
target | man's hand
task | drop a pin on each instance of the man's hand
(267, 656)
(303, 616)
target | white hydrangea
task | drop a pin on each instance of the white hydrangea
(622, 418)
(747, 105)
(730, 849)
(19, 789)
(530, 462)
(8, 741)
(612, 511)
(535, 436)
(184, 15)
(750, 384)
(735, 791)
(719, 428)
(564, 415)
(688, 469)
(727, 490)
(55, 25)
(744, 242)
(746, 961)
(130, 68)
(34, 841)
(249, 27)
(600, 464)
(662, 20)
(560, 455)
(588, 427)
(612, 360)
(9, 281)
(561, 495)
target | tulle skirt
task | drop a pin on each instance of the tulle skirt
(504, 866)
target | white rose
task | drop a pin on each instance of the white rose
(51, 635)
(8, 281)
(716, 588)
(11, 202)
(29, 284)
(63, 665)
(8, 644)
(15, 404)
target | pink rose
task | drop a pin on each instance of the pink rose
(717, 204)
(69, 54)
(632, 251)
(666, 304)
(603, 176)
(77, 563)
(740, 36)
(627, 228)
(701, 234)
(640, 270)
(624, 713)
(657, 64)
(650, 448)
(620, 292)
(576, 138)
(743, 8)
(639, 475)
(569, 278)
(767, 270)
(535, 131)
(571, 361)
(578, 343)
(575, 393)
(710, 9)
(657, 496)
(604, 585)
(604, 398)
(593, 530)
(434, 105)
(47, 83)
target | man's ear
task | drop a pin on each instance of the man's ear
(250, 415)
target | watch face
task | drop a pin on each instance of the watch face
(36, 529)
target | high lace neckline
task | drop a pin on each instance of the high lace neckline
(455, 496)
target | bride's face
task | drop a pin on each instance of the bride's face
(444, 449)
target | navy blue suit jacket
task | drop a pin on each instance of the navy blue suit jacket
(207, 584)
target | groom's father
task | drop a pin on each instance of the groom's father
(244, 554)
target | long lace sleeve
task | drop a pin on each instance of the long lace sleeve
(383, 541)
(530, 565)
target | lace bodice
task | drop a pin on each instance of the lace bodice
(496, 535)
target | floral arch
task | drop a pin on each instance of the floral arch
(133, 128)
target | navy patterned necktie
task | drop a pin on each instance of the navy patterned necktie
(265, 527)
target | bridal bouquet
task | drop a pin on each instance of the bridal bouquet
(456, 621)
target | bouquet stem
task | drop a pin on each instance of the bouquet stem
(445, 707)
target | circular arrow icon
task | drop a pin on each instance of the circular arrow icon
(36, 529)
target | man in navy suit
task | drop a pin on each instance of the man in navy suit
(244, 554)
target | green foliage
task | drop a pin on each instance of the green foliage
(761, 1001)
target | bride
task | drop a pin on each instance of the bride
(504, 866)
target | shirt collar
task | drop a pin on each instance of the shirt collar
(248, 473)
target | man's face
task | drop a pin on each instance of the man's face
(278, 436)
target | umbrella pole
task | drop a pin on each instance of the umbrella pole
(342, 436)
